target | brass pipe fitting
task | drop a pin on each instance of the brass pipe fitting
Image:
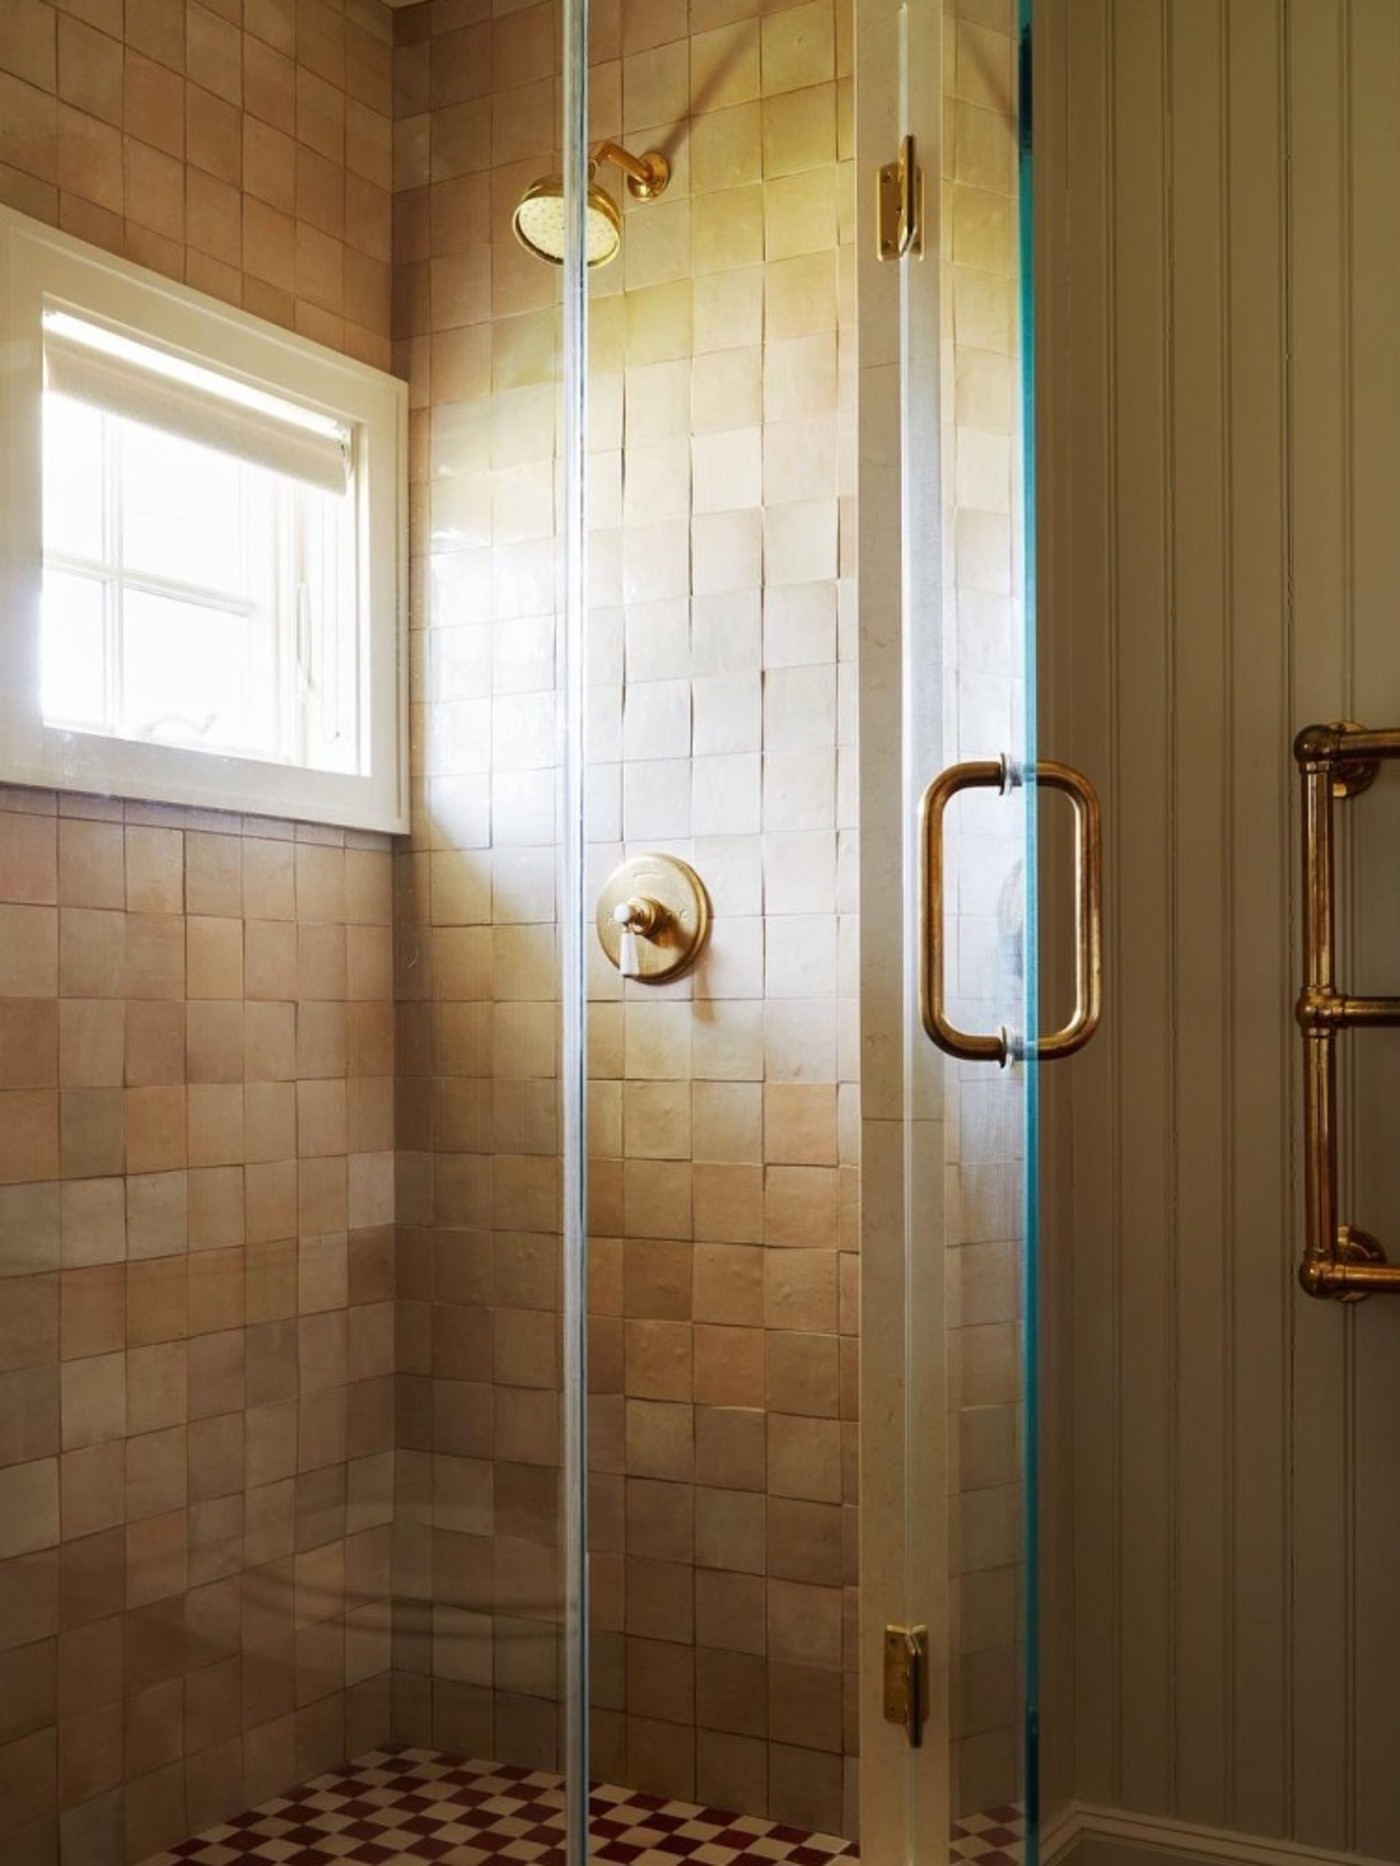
(1336, 761)
(647, 175)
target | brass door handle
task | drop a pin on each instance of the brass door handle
(1088, 890)
(998, 774)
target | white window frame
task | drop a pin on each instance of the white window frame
(42, 269)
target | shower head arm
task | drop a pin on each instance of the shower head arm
(647, 175)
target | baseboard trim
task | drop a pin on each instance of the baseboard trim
(1111, 1838)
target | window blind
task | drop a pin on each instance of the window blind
(89, 363)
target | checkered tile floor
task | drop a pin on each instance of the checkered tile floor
(996, 1838)
(405, 1807)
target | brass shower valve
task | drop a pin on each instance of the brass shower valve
(653, 918)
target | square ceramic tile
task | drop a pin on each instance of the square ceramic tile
(396, 1807)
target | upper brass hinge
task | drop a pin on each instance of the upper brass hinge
(906, 1679)
(899, 217)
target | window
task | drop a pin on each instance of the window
(204, 526)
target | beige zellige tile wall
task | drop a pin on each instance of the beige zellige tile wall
(196, 1059)
(242, 146)
(721, 728)
(196, 1071)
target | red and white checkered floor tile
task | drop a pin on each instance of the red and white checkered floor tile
(996, 1838)
(407, 1807)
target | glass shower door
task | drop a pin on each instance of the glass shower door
(979, 1003)
(983, 828)
(970, 1002)
(1010, 847)
(799, 1484)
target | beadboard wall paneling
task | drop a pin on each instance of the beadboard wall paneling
(1220, 429)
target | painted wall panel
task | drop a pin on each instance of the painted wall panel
(1220, 424)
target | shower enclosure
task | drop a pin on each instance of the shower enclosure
(563, 1317)
(771, 483)
(792, 1550)
(553, 1294)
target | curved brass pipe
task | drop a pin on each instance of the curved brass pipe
(647, 175)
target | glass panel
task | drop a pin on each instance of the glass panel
(927, 1187)
(575, 926)
(326, 649)
(184, 676)
(991, 941)
(1023, 513)
(723, 1098)
(73, 654)
(488, 1053)
(182, 515)
(73, 497)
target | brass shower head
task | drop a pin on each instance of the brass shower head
(541, 227)
(539, 219)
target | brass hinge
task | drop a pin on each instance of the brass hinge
(899, 215)
(906, 1679)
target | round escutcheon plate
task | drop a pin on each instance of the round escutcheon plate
(682, 923)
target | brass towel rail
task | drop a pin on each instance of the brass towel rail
(1336, 762)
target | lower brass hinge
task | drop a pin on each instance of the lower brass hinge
(906, 1679)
